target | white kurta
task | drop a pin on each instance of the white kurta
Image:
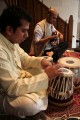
(15, 80)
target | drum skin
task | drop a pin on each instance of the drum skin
(69, 62)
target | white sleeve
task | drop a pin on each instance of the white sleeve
(53, 29)
(13, 84)
(28, 61)
(38, 33)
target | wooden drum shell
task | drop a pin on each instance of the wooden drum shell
(60, 89)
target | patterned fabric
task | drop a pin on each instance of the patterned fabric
(72, 54)
(73, 109)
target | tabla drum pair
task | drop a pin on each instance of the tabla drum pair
(60, 89)
(74, 65)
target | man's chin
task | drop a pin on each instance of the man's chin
(22, 40)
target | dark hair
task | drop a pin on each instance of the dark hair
(12, 16)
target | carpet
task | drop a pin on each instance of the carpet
(71, 53)
(71, 110)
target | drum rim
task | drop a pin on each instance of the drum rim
(69, 65)
(63, 103)
(67, 74)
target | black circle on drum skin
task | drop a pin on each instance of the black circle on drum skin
(73, 118)
(69, 61)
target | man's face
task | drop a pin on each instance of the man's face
(21, 33)
(52, 18)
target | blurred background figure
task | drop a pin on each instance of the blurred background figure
(45, 35)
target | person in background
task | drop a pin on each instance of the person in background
(45, 35)
(22, 92)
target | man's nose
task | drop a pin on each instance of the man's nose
(26, 35)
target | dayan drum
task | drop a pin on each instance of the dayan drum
(60, 89)
(74, 65)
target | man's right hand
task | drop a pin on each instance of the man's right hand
(53, 71)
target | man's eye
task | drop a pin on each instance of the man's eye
(54, 18)
(24, 31)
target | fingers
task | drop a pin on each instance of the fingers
(56, 65)
(45, 63)
(54, 36)
(53, 71)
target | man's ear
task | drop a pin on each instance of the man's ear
(9, 30)
(48, 15)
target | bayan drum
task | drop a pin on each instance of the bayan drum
(74, 65)
(60, 89)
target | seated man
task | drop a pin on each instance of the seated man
(45, 34)
(22, 92)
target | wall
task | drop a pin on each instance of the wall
(65, 9)
(78, 28)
